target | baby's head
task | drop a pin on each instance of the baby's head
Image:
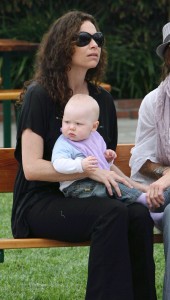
(80, 117)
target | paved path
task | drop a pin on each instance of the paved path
(126, 129)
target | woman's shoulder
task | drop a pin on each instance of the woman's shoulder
(36, 88)
(36, 94)
(151, 96)
(149, 100)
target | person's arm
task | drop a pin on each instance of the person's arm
(153, 170)
(161, 174)
(145, 138)
(36, 168)
(68, 165)
(132, 183)
(77, 165)
(110, 179)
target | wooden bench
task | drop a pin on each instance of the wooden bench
(8, 169)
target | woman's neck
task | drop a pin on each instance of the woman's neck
(77, 82)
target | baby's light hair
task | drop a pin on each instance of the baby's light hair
(86, 102)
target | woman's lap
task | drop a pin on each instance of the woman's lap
(68, 218)
(64, 218)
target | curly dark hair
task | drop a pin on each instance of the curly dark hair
(166, 63)
(54, 56)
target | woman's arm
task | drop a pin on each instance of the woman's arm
(161, 174)
(153, 170)
(145, 138)
(110, 179)
(36, 168)
(133, 183)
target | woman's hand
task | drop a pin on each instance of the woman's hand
(155, 193)
(109, 179)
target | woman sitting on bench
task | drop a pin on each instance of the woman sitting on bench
(71, 60)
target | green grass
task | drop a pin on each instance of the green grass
(49, 274)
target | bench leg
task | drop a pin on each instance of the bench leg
(1, 255)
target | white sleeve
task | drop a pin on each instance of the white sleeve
(68, 165)
(145, 141)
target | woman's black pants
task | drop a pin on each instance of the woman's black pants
(121, 265)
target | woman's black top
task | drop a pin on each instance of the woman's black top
(41, 114)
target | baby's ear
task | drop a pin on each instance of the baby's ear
(95, 125)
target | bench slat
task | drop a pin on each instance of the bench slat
(123, 156)
(8, 169)
(36, 243)
(158, 238)
(46, 243)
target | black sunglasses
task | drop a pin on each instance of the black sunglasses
(84, 38)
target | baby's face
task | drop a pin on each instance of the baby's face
(76, 125)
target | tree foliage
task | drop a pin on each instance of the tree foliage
(133, 30)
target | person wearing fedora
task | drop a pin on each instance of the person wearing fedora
(150, 160)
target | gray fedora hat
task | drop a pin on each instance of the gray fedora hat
(166, 40)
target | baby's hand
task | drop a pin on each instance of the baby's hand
(110, 155)
(89, 163)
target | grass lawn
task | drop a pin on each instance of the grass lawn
(50, 274)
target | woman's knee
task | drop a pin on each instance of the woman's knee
(139, 214)
(115, 206)
(116, 210)
(107, 208)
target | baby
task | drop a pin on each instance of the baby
(81, 148)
